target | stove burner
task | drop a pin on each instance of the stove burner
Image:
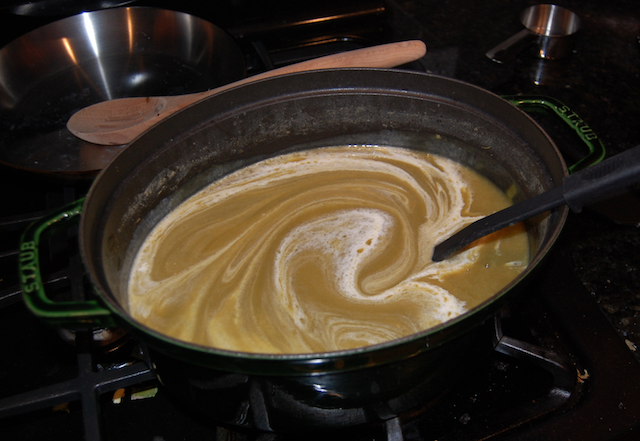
(86, 387)
(105, 339)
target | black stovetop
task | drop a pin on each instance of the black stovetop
(584, 305)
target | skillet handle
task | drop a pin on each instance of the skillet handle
(569, 117)
(70, 314)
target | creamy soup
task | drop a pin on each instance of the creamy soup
(322, 250)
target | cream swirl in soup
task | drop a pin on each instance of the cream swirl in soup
(322, 250)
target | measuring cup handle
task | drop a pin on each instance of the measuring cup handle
(69, 314)
(508, 49)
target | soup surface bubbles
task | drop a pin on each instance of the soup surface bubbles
(322, 250)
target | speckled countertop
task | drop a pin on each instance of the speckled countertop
(600, 81)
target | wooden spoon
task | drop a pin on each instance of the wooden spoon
(119, 121)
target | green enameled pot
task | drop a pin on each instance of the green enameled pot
(236, 128)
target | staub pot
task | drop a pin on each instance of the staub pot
(239, 127)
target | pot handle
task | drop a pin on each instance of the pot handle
(569, 117)
(70, 314)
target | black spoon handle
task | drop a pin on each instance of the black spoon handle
(587, 185)
(600, 180)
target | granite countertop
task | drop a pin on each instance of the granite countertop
(600, 81)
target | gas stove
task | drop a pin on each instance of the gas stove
(563, 366)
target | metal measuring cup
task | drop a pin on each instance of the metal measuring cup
(552, 28)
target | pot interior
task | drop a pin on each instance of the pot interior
(180, 156)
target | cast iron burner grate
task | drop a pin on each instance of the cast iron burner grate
(91, 379)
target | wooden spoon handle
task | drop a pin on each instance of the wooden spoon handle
(121, 120)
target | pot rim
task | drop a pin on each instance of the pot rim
(347, 359)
